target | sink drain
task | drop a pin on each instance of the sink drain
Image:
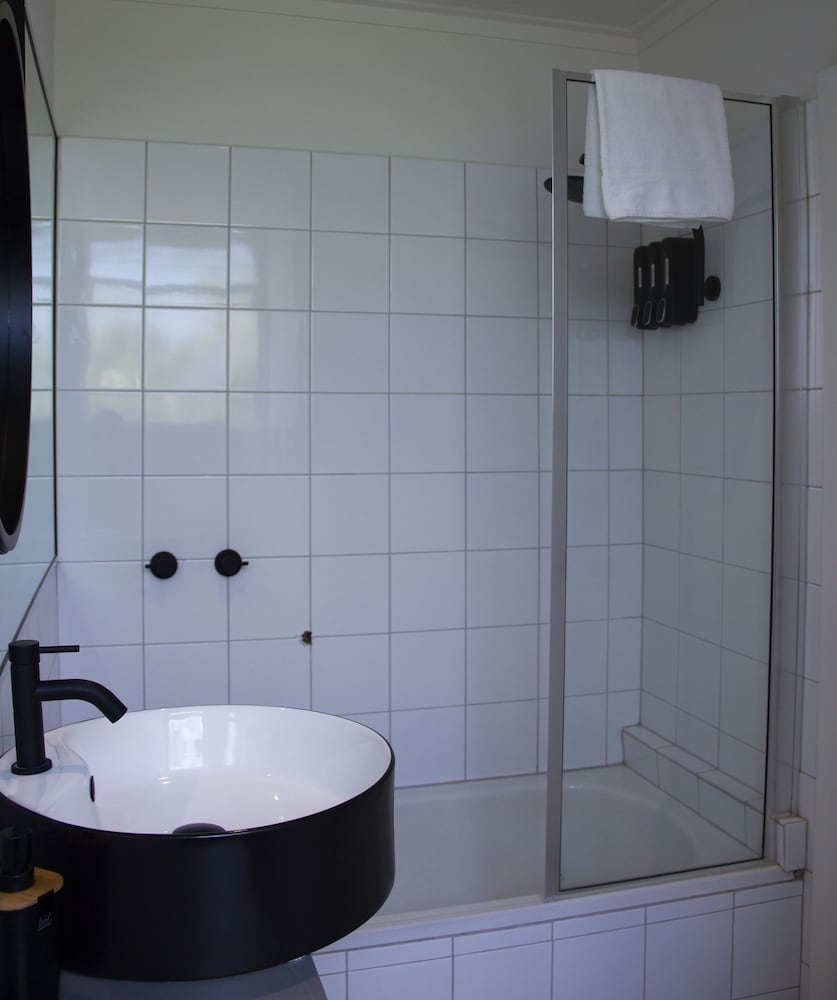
(198, 829)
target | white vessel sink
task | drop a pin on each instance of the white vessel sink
(224, 838)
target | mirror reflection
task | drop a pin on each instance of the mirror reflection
(22, 569)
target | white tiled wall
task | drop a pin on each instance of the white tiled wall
(708, 473)
(604, 494)
(722, 946)
(337, 365)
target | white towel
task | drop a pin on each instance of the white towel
(656, 150)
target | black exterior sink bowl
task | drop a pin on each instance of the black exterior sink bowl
(210, 841)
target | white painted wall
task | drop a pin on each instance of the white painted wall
(764, 47)
(416, 86)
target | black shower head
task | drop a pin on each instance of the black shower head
(575, 187)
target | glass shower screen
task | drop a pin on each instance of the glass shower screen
(665, 617)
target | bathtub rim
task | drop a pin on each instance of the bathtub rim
(518, 911)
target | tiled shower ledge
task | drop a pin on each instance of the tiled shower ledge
(721, 800)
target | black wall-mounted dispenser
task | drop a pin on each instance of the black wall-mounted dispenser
(669, 282)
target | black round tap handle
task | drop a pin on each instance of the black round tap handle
(163, 565)
(228, 562)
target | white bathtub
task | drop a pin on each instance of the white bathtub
(483, 841)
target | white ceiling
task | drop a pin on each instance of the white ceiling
(622, 15)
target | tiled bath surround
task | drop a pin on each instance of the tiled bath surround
(339, 366)
(708, 505)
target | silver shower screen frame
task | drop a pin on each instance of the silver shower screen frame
(779, 796)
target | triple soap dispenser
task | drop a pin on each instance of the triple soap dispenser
(669, 282)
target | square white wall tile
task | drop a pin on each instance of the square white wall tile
(269, 515)
(427, 669)
(587, 278)
(349, 514)
(748, 524)
(586, 658)
(703, 434)
(350, 193)
(270, 599)
(767, 947)
(689, 958)
(600, 966)
(186, 515)
(587, 356)
(624, 359)
(350, 272)
(587, 432)
(427, 512)
(100, 263)
(501, 739)
(501, 278)
(350, 674)
(748, 436)
(349, 595)
(428, 591)
(270, 187)
(269, 433)
(189, 607)
(625, 432)
(587, 583)
(620, 293)
(622, 711)
(661, 433)
(269, 269)
(349, 352)
(744, 691)
(746, 617)
(270, 672)
(186, 674)
(185, 433)
(188, 183)
(661, 575)
(699, 678)
(502, 664)
(502, 510)
(701, 597)
(427, 353)
(502, 587)
(100, 518)
(427, 275)
(185, 349)
(411, 981)
(427, 433)
(427, 197)
(99, 347)
(624, 654)
(269, 351)
(349, 433)
(504, 972)
(702, 523)
(102, 179)
(502, 355)
(422, 761)
(186, 266)
(500, 202)
(585, 731)
(748, 348)
(702, 353)
(502, 433)
(625, 581)
(100, 603)
(99, 433)
(587, 508)
(625, 507)
(659, 661)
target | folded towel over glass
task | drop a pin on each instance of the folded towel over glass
(656, 150)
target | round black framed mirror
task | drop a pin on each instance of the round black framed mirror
(15, 281)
